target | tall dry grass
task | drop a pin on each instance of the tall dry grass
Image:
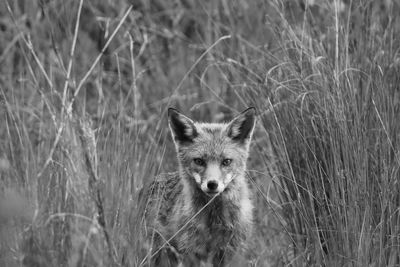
(337, 136)
(84, 87)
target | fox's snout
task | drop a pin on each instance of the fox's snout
(212, 180)
(212, 187)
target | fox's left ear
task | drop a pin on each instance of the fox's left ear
(241, 127)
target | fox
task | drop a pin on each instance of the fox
(202, 213)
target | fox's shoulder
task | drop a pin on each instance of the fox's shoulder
(167, 176)
(164, 189)
(160, 197)
(165, 181)
(161, 183)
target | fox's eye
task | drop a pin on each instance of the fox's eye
(226, 162)
(199, 161)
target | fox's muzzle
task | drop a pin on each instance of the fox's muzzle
(212, 181)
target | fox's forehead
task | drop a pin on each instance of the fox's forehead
(210, 127)
(212, 132)
(212, 142)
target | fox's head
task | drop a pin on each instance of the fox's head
(212, 155)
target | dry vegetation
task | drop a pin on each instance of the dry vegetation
(84, 88)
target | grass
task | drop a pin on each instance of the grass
(84, 89)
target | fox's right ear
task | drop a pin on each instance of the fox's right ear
(182, 128)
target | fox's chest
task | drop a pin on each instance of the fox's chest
(210, 230)
(202, 239)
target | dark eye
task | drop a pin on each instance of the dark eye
(226, 162)
(199, 161)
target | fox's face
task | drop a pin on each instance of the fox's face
(212, 155)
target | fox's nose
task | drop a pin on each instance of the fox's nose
(212, 185)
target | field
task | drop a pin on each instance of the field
(84, 90)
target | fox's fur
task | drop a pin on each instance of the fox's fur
(211, 179)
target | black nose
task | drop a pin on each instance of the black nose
(212, 185)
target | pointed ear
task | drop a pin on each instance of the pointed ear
(182, 128)
(241, 127)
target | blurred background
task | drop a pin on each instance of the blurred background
(84, 89)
